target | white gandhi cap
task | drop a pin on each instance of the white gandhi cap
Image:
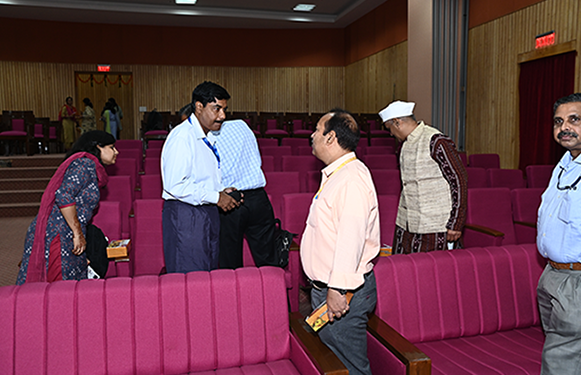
(397, 109)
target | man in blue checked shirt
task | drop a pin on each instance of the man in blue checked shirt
(559, 240)
(241, 169)
(192, 185)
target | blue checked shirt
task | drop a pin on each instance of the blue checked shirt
(559, 219)
(239, 155)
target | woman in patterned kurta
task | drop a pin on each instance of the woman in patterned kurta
(71, 197)
(68, 118)
(89, 118)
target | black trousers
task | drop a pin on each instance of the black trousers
(253, 219)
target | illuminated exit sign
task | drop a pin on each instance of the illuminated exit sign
(103, 68)
(545, 40)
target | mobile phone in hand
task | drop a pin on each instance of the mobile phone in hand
(236, 195)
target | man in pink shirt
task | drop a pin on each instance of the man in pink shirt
(341, 238)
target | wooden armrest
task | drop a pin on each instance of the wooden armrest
(485, 230)
(526, 224)
(323, 358)
(416, 362)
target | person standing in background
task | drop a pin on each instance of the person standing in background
(119, 114)
(109, 118)
(89, 119)
(68, 118)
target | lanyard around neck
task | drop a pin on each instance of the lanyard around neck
(330, 174)
(210, 146)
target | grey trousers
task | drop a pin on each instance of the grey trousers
(559, 297)
(347, 336)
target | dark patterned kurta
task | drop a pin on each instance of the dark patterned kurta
(80, 186)
(443, 151)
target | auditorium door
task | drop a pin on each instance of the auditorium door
(99, 87)
(541, 82)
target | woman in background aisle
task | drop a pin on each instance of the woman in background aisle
(119, 114)
(55, 243)
(68, 117)
(89, 118)
(109, 117)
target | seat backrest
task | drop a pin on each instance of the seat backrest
(464, 158)
(119, 189)
(267, 142)
(525, 204)
(133, 153)
(380, 161)
(153, 152)
(477, 177)
(295, 143)
(379, 150)
(509, 178)
(147, 253)
(271, 124)
(278, 152)
(383, 142)
(18, 125)
(124, 167)
(278, 184)
(491, 207)
(301, 164)
(538, 176)
(387, 214)
(449, 294)
(295, 210)
(152, 165)
(363, 143)
(173, 324)
(125, 144)
(313, 181)
(38, 131)
(387, 181)
(155, 144)
(268, 163)
(151, 186)
(484, 160)
(108, 219)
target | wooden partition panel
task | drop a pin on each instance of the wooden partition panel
(492, 124)
(43, 87)
(372, 83)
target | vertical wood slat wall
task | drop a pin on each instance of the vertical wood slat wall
(42, 87)
(492, 124)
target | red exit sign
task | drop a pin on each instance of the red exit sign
(545, 40)
(103, 68)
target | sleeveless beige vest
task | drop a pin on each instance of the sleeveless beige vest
(425, 203)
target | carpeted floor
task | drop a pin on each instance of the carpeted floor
(12, 234)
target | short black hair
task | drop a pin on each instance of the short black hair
(87, 102)
(89, 141)
(573, 98)
(186, 110)
(208, 92)
(345, 127)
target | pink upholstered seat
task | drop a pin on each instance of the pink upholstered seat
(383, 142)
(152, 165)
(268, 163)
(379, 150)
(119, 190)
(278, 184)
(380, 161)
(301, 164)
(132, 153)
(387, 181)
(155, 144)
(484, 160)
(124, 144)
(471, 311)
(387, 214)
(525, 206)
(147, 254)
(295, 143)
(313, 181)
(538, 176)
(267, 142)
(477, 177)
(124, 167)
(464, 158)
(220, 322)
(509, 178)
(151, 186)
(108, 219)
(278, 152)
(153, 152)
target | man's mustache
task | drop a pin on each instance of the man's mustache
(565, 133)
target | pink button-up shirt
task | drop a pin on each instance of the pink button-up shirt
(342, 232)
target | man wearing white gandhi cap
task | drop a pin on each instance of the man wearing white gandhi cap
(432, 205)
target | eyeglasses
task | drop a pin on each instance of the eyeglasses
(570, 187)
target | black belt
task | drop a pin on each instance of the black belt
(321, 285)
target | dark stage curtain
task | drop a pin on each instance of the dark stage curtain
(541, 83)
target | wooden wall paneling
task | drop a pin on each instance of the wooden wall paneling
(492, 92)
(373, 82)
